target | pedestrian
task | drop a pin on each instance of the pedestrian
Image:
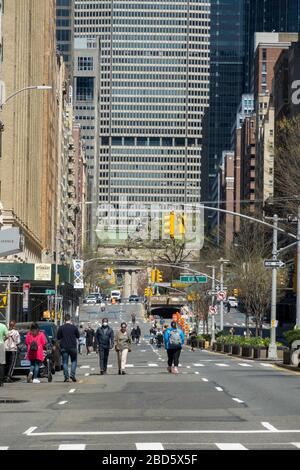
(89, 338)
(193, 339)
(3, 336)
(105, 342)
(133, 334)
(174, 340)
(122, 347)
(232, 331)
(81, 341)
(36, 342)
(133, 318)
(68, 335)
(159, 338)
(11, 350)
(138, 333)
(102, 306)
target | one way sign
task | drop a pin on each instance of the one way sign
(274, 263)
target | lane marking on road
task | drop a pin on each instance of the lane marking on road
(238, 400)
(197, 373)
(188, 367)
(243, 364)
(222, 365)
(109, 366)
(269, 426)
(72, 447)
(161, 432)
(232, 446)
(72, 390)
(149, 446)
(266, 365)
(29, 431)
(84, 367)
(63, 402)
(198, 365)
(129, 365)
(93, 369)
(219, 389)
(296, 444)
(86, 375)
(152, 365)
(204, 380)
(4, 448)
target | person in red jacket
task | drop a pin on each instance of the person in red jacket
(36, 342)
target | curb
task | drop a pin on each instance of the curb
(295, 369)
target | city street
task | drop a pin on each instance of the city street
(216, 402)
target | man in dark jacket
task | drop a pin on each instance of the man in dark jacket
(68, 335)
(105, 341)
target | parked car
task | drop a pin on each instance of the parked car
(134, 298)
(22, 366)
(232, 302)
(50, 329)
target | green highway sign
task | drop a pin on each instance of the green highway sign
(193, 279)
(50, 292)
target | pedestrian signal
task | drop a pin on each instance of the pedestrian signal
(3, 300)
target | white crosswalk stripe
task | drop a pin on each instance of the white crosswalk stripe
(232, 446)
(4, 448)
(244, 364)
(149, 446)
(222, 365)
(72, 447)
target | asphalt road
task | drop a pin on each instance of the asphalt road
(216, 402)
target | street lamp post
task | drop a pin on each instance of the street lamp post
(34, 87)
(213, 287)
(222, 261)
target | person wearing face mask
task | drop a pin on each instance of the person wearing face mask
(105, 342)
(123, 343)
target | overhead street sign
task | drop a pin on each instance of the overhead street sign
(11, 242)
(193, 279)
(274, 263)
(9, 278)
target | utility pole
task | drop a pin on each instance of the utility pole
(213, 287)
(272, 353)
(222, 261)
(298, 272)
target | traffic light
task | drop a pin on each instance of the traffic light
(153, 275)
(169, 225)
(282, 278)
(148, 292)
(110, 271)
(181, 224)
(3, 300)
(159, 277)
(236, 292)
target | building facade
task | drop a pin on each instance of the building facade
(226, 83)
(154, 87)
(65, 31)
(28, 168)
(267, 16)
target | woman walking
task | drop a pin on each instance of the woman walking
(122, 346)
(36, 342)
(11, 350)
(174, 340)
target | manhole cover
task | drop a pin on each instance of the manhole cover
(9, 400)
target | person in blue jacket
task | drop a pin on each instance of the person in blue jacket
(174, 340)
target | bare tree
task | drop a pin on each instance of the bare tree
(287, 166)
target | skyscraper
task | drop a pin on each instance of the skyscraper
(267, 16)
(65, 30)
(154, 87)
(226, 83)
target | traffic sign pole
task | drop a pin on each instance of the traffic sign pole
(8, 304)
(272, 353)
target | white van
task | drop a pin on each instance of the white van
(115, 294)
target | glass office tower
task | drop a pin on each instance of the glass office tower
(226, 83)
(266, 16)
(154, 89)
(65, 30)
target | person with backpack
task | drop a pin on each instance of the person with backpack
(36, 342)
(174, 340)
(105, 342)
